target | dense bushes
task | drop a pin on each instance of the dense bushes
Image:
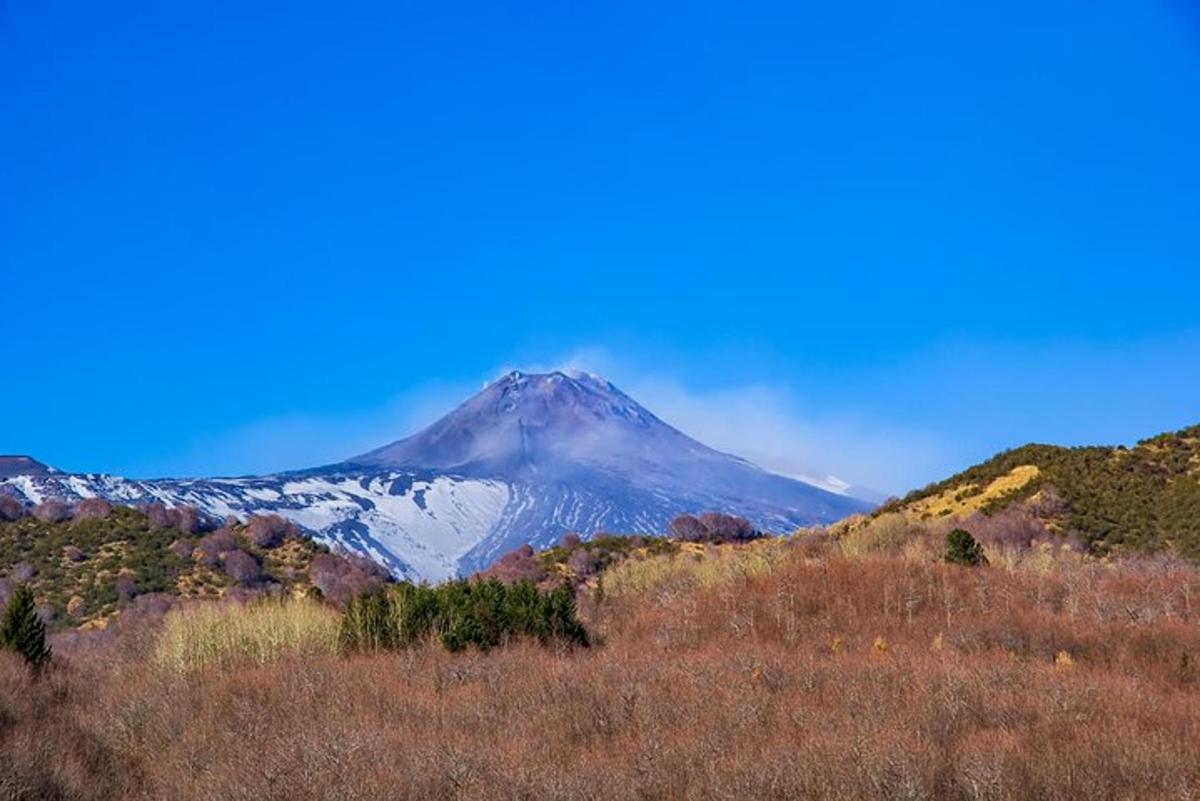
(461, 614)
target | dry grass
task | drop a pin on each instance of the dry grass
(771, 673)
(230, 635)
(694, 566)
(963, 501)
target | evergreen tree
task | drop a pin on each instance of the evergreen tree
(560, 616)
(366, 623)
(23, 631)
(962, 549)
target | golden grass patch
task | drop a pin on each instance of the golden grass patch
(965, 500)
(230, 635)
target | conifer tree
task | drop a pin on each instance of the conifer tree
(962, 549)
(23, 631)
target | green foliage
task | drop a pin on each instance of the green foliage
(962, 549)
(460, 615)
(1117, 499)
(23, 631)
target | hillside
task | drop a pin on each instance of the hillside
(91, 562)
(779, 668)
(1114, 499)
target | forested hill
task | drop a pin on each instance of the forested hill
(1117, 499)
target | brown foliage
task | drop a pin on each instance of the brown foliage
(712, 527)
(341, 577)
(269, 531)
(93, 509)
(11, 508)
(52, 511)
(212, 546)
(182, 548)
(519, 565)
(823, 678)
(187, 519)
(241, 567)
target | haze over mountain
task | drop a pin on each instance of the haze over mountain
(527, 459)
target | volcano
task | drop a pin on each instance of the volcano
(530, 457)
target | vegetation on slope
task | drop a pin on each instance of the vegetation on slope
(85, 564)
(794, 670)
(1116, 500)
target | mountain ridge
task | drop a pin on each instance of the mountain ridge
(527, 459)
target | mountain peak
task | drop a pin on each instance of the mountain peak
(525, 419)
(20, 465)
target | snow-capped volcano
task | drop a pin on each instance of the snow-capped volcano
(527, 459)
(550, 426)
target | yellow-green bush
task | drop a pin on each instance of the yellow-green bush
(227, 635)
(688, 568)
(885, 534)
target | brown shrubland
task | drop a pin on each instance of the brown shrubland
(811, 676)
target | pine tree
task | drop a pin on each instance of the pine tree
(962, 549)
(23, 631)
(560, 616)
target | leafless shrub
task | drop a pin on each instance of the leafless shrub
(182, 548)
(187, 519)
(723, 527)
(52, 511)
(21, 572)
(583, 563)
(687, 528)
(93, 509)
(519, 565)
(712, 527)
(159, 515)
(11, 509)
(241, 567)
(269, 531)
(126, 587)
(340, 578)
(212, 546)
(1013, 527)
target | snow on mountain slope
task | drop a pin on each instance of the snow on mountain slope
(527, 459)
(417, 525)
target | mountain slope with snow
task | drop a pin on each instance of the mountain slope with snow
(527, 459)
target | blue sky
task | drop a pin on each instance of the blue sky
(880, 239)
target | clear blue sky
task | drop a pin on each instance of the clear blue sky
(933, 229)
